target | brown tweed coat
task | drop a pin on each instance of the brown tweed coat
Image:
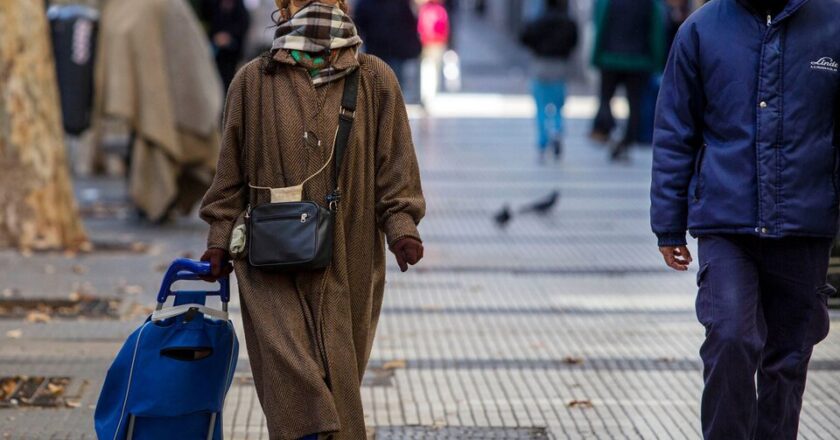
(309, 335)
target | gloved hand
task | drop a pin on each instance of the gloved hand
(220, 265)
(408, 251)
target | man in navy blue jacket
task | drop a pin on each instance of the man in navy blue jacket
(746, 159)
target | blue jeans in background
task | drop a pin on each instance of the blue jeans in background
(764, 305)
(549, 96)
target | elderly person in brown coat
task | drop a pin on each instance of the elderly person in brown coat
(310, 333)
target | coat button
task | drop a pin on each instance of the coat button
(763, 104)
(763, 230)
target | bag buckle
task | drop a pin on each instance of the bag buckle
(347, 114)
(333, 199)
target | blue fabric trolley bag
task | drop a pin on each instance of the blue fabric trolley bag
(170, 379)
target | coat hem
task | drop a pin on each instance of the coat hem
(698, 232)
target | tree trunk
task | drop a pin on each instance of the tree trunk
(37, 208)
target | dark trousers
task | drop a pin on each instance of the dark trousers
(764, 305)
(398, 66)
(634, 84)
(227, 61)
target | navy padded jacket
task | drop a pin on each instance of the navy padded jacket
(747, 126)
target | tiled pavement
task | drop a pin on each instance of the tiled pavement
(562, 326)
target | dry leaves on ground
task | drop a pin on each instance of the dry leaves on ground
(583, 404)
(573, 360)
(37, 317)
(79, 269)
(394, 365)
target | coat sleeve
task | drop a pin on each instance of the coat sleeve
(400, 204)
(225, 200)
(677, 139)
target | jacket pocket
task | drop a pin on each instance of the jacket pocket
(821, 321)
(698, 169)
(705, 304)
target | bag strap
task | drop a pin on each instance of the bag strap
(346, 116)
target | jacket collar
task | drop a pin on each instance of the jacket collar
(790, 9)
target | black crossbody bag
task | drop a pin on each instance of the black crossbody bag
(298, 236)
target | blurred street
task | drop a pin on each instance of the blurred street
(560, 325)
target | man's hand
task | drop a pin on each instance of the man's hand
(676, 257)
(408, 251)
(220, 266)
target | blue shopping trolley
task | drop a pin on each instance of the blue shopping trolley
(170, 379)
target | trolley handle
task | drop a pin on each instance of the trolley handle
(184, 269)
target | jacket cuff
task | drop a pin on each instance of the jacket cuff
(399, 226)
(219, 235)
(671, 239)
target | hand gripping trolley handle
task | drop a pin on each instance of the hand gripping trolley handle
(170, 379)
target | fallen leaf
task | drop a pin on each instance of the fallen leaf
(72, 403)
(139, 247)
(583, 404)
(38, 317)
(394, 365)
(55, 389)
(8, 386)
(573, 360)
(431, 307)
(14, 334)
(78, 269)
(131, 289)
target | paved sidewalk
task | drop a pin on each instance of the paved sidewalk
(560, 326)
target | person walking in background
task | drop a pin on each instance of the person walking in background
(309, 332)
(745, 157)
(433, 26)
(552, 38)
(452, 7)
(228, 25)
(389, 30)
(677, 11)
(629, 47)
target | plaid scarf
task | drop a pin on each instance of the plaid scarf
(320, 31)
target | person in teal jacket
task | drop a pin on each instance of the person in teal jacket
(629, 47)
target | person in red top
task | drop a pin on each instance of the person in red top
(433, 27)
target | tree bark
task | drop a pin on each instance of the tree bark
(37, 207)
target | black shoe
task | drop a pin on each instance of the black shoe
(557, 145)
(620, 153)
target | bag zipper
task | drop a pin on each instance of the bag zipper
(303, 218)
